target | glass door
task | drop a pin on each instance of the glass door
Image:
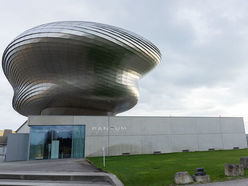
(57, 142)
(55, 149)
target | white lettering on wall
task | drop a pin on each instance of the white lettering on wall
(113, 128)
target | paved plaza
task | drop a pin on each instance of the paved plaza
(55, 172)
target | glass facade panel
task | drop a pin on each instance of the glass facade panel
(57, 142)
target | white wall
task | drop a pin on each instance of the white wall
(144, 135)
(24, 128)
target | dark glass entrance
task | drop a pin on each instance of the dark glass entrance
(57, 142)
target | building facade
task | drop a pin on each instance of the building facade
(52, 137)
(71, 78)
(77, 68)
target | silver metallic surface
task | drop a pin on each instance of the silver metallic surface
(77, 68)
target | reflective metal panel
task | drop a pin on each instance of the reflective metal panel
(77, 68)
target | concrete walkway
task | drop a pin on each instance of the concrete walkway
(55, 172)
(60, 165)
(239, 182)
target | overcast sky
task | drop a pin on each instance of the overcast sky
(204, 46)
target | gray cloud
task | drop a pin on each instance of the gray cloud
(203, 43)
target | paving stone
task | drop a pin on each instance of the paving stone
(49, 172)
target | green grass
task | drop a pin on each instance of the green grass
(160, 169)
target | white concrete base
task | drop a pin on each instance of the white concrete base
(145, 135)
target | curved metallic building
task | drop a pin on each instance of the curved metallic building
(77, 68)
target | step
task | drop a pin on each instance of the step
(72, 178)
(6, 182)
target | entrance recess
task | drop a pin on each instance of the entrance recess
(57, 142)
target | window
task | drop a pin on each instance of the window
(57, 142)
